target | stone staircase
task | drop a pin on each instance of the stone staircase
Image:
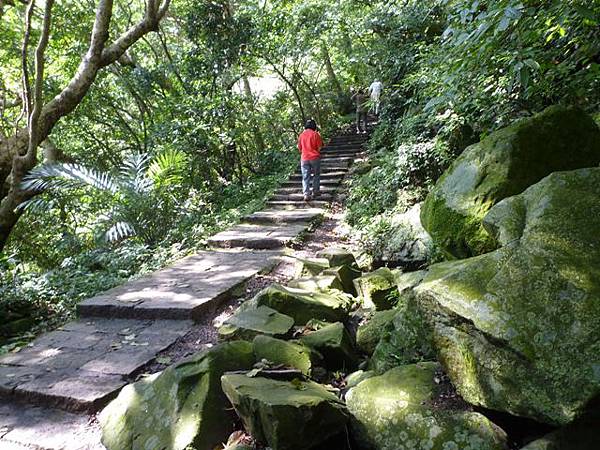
(83, 365)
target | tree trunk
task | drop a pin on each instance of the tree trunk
(258, 137)
(335, 84)
(18, 154)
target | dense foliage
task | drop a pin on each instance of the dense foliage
(195, 123)
(454, 71)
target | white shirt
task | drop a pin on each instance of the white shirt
(376, 88)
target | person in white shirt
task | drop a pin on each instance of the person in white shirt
(375, 92)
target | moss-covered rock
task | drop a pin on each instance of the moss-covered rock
(303, 305)
(504, 164)
(369, 334)
(308, 267)
(377, 289)
(277, 351)
(285, 415)
(396, 411)
(338, 257)
(335, 344)
(518, 329)
(317, 283)
(180, 407)
(408, 338)
(251, 321)
(346, 276)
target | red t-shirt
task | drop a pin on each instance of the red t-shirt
(309, 144)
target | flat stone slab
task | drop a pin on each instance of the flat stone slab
(187, 290)
(81, 366)
(285, 216)
(291, 204)
(26, 427)
(258, 236)
(300, 197)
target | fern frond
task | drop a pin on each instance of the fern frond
(168, 167)
(119, 231)
(67, 176)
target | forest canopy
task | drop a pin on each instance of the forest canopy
(129, 132)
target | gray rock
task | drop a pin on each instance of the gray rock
(518, 329)
(285, 415)
(180, 407)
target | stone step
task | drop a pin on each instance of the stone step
(340, 154)
(298, 183)
(258, 236)
(294, 189)
(186, 290)
(326, 159)
(300, 197)
(82, 365)
(290, 204)
(285, 216)
(329, 176)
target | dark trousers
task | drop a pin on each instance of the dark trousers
(361, 121)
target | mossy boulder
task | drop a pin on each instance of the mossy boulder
(250, 321)
(346, 276)
(377, 289)
(335, 344)
(408, 337)
(501, 165)
(290, 354)
(296, 415)
(317, 283)
(180, 407)
(338, 257)
(369, 333)
(518, 329)
(308, 267)
(398, 410)
(304, 305)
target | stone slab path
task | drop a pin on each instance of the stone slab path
(82, 366)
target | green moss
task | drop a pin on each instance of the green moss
(303, 305)
(285, 415)
(517, 329)
(369, 334)
(502, 165)
(289, 354)
(180, 407)
(394, 412)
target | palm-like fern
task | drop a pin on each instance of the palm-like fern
(133, 193)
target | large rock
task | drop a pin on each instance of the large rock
(346, 276)
(180, 407)
(335, 344)
(338, 257)
(285, 415)
(369, 333)
(290, 354)
(250, 321)
(378, 289)
(317, 283)
(504, 164)
(405, 244)
(407, 338)
(518, 329)
(399, 410)
(308, 267)
(303, 305)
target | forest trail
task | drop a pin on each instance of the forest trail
(80, 367)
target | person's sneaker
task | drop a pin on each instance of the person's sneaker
(307, 198)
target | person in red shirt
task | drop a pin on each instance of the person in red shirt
(310, 144)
